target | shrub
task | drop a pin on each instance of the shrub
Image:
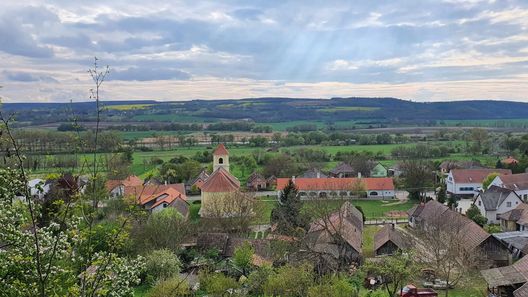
(333, 287)
(172, 287)
(161, 265)
(243, 256)
(290, 281)
(216, 284)
(257, 279)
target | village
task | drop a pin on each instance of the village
(317, 218)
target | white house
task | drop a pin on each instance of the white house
(495, 201)
(515, 182)
(468, 182)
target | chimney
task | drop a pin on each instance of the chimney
(293, 178)
(393, 226)
(359, 174)
(318, 174)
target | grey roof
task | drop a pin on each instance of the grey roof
(312, 173)
(494, 196)
(342, 168)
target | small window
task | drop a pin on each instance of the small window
(373, 193)
(221, 161)
(508, 204)
(480, 203)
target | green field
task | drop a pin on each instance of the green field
(126, 107)
(486, 123)
(348, 108)
(179, 118)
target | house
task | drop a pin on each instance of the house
(220, 185)
(226, 244)
(515, 182)
(448, 165)
(494, 201)
(155, 198)
(337, 236)
(509, 161)
(271, 181)
(516, 241)
(378, 171)
(388, 241)
(116, 188)
(475, 238)
(256, 182)
(509, 281)
(343, 170)
(467, 182)
(376, 188)
(197, 183)
(314, 173)
(515, 219)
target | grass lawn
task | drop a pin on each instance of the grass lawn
(141, 291)
(368, 240)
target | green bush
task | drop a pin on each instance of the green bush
(161, 265)
(257, 279)
(243, 257)
(290, 281)
(333, 287)
(172, 287)
(216, 284)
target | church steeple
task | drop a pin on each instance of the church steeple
(221, 158)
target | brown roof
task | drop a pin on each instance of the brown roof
(515, 182)
(221, 181)
(130, 181)
(256, 177)
(475, 176)
(347, 222)
(220, 150)
(386, 234)
(509, 275)
(451, 164)
(342, 168)
(518, 214)
(311, 184)
(207, 241)
(434, 212)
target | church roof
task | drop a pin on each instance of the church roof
(220, 150)
(221, 181)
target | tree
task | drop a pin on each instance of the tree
(228, 212)
(332, 286)
(162, 230)
(161, 265)
(290, 281)
(487, 181)
(394, 271)
(474, 214)
(444, 248)
(417, 177)
(287, 215)
(243, 257)
(441, 196)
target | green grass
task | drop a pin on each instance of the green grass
(486, 123)
(368, 240)
(141, 291)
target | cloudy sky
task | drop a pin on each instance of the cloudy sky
(424, 50)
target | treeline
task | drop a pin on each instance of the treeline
(51, 142)
(422, 151)
(246, 126)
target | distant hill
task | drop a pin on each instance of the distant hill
(262, 110)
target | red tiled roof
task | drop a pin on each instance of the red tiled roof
(307, 184)
(220, 150)
(221, 181)
(144, 194)
(475, 176)
(509, 160)
(172, 195)
(130, 181)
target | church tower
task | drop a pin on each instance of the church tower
(221, 158)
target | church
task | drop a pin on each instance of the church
(219, 186)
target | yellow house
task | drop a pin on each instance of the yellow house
(220, 188)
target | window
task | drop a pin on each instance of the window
(221, 161)
(373, 193)
(508, 204)
(465, 189)
(480, 203)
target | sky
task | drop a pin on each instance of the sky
(421, 50)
